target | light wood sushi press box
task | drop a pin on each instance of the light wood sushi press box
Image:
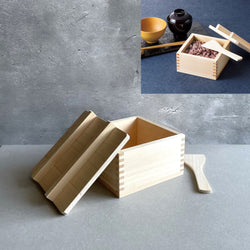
(93, 148)
(198, 65)
(207, 67)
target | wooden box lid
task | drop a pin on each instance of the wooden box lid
(77, 159)
(239, 41)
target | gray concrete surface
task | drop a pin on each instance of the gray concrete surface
(59, 58)
(170, 215)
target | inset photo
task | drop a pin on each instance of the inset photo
(195, 47)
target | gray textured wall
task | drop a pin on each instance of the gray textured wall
(61, 57)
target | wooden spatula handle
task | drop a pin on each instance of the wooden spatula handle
(202, 181)
(196, 163)
(232, 55)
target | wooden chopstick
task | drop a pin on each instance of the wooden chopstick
(164, 45)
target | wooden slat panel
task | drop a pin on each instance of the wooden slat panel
(87, 169)
(62, 144)
(71, 152)
(78, 159)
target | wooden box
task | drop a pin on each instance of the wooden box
(198, 65)
(94, 148)
(152, 155)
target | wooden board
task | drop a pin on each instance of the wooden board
(68, 170)
(168, 37)
(234, 38)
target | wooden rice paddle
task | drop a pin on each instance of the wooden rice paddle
(195, 163)
(214, 45)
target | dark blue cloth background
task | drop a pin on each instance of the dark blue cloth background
(159, 72)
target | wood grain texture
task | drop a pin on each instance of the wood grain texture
(161, 46)
(93, 148)
(231, 36)
(155, 154)
(198, 65)
(196, 163)
(214, 45)
(69, 169)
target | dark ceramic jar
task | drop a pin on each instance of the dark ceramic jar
(179, 22)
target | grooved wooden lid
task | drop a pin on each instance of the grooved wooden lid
(78, 158)
(239, 41)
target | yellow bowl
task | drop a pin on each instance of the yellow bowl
(152, 29)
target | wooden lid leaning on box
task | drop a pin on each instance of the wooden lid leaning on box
(77, 159)
(231, 36)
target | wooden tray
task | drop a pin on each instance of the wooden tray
(168, 37)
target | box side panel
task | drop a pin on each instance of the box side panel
(147, 131)
(110, 177)
(126, 192)
(129, 126)
(196, 65)
(154, 163)
(222, 61)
